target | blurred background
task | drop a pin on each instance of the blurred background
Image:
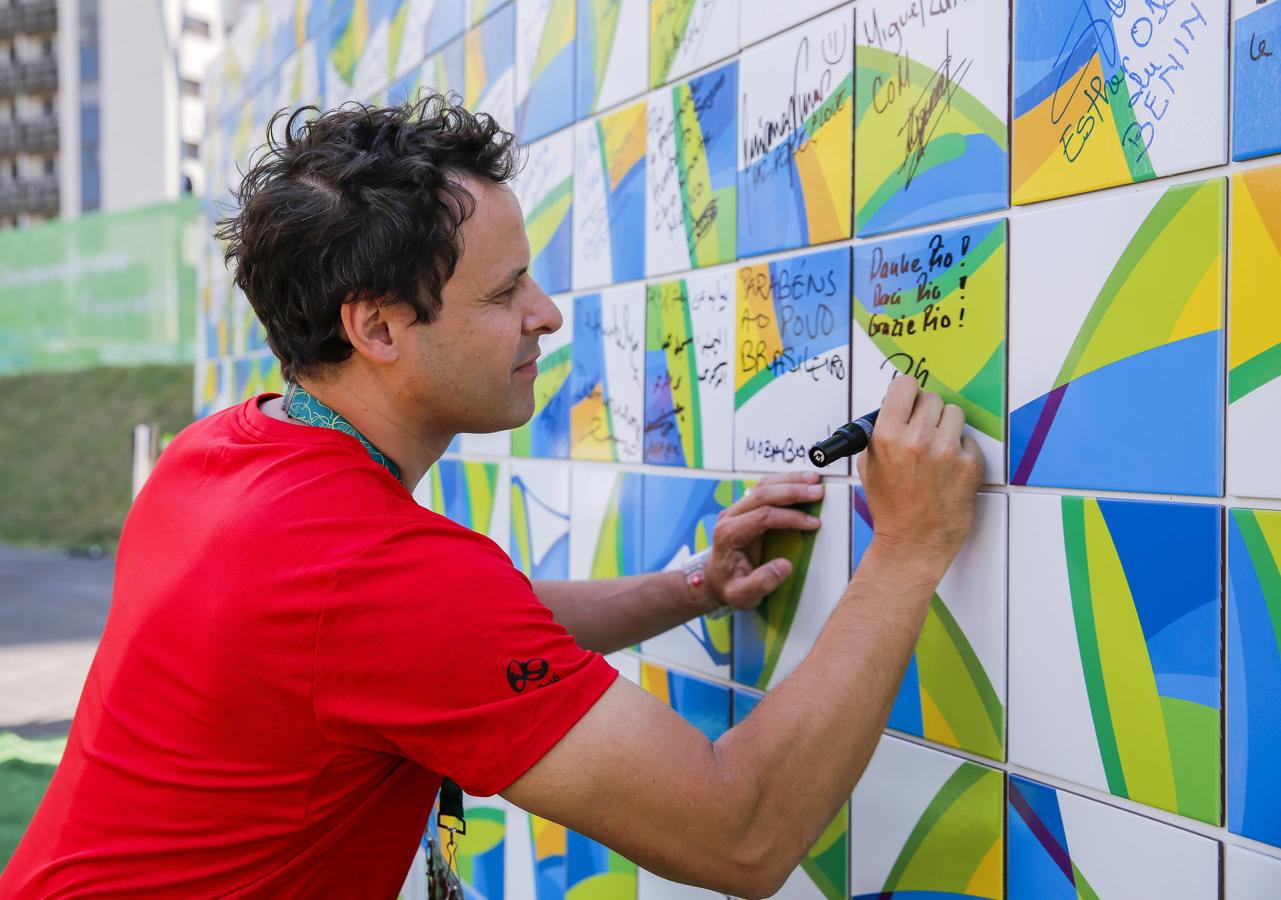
(103, 104)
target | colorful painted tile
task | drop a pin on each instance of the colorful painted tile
(489, 63)
(476, 495)
(356, 64)
(689, 356)
(547, 432)
(479, 10)
(706, 706)
(218, 304)
(1256, 78)
(544, 67)
(795, 148)
(932, 131)
(401, 34)
(420, 28)
(287, 33)
(442, 72)
(933, 305)
(1254, 674)
(248, 53)
(248, 334)
(759, 19)
(627, 663)
(1109, 347)
(606, 517)
(1114, 678)
(212, 387)
(540, 519)
(480, 858)
(546, 861)
(685, 35)
(498, 443)
(824, 872)
(690, 176)
(609, 198)
(613, 49)
(791, 380)
(1063, 847)
(1254, 334)
(772, 639)
(680, 514)
(1111, 93)
(1250, 875)
(926, 824)
(607, 381)
(953, 692)
(545, 189)
(703, 704)
(301, 81)
(254, 374)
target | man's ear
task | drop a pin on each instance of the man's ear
(370, 327)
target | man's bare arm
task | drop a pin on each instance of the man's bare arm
(613, 613)
(738, 815)
(609, 614)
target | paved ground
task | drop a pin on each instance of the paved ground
(52, 609)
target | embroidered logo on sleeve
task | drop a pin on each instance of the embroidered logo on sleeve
(537, 672)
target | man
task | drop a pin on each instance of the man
(297, 653)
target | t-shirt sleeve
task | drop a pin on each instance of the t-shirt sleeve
(433, 646)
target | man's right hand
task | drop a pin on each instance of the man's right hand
(921, 473)
(738, 815)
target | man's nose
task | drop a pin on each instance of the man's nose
(544, 315)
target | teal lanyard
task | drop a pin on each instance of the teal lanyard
(307, 409)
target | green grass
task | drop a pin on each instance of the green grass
(25, 769)
(66, 449)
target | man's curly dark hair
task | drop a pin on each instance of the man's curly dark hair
(358, 202)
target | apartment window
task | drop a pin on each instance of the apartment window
(90, 172)
(47, 106)
(195, 26)
(89, 62)
(190, 150)
(49, 166)
(90, 186)
(190, 88)
(89, 125)
(46, 48)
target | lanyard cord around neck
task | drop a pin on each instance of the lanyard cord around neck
(307, 409)
(301, 405)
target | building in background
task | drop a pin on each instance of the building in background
(102, 103)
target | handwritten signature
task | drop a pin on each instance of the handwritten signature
(921, 121)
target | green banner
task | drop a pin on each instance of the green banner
(107, 289)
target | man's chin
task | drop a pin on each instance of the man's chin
(519, 413)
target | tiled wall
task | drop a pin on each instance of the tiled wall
(751, 215)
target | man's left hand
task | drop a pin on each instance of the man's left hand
(735, 574)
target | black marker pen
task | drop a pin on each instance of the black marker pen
(846, 441)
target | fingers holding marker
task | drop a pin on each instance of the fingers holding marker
(896, 411)
(952, 423)
(926, 413)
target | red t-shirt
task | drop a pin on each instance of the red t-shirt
(296, 652)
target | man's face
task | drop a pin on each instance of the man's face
(474, 366)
